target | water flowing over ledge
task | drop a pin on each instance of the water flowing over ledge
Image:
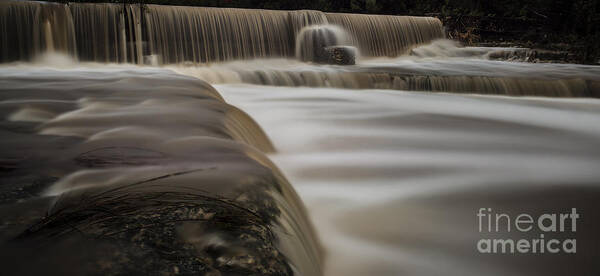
(209, 43)
(152, 172)
(454, 75)
(393, 179)
(171, 34)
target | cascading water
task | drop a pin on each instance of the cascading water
(304, 18)
(107, 32)
(149, 171)
(125, 32)
(312, 41)
(30, 28)
(377, 35)
(199, 35)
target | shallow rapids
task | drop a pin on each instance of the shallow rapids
(441, 66)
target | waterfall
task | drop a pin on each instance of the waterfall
(107, 32)
(513, 86)
(180, 34)
(124, 33)
(28, 28)
(384, 35)
(303, 18)
(312, 40)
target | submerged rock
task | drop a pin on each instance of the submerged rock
(325, 44)
(341, 55)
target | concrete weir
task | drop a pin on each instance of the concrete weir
(148, 172)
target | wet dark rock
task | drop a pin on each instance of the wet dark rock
(341, 55)
(324, 44)
(536, 33)
(161, 230)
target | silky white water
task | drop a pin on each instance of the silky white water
(393, 179)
